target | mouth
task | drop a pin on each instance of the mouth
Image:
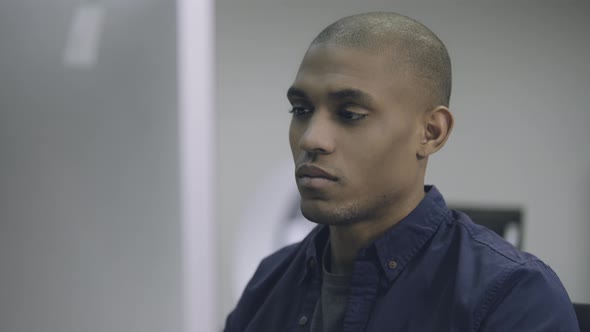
(312, 176)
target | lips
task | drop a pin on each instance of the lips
(314, 172)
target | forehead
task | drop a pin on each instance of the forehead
(340, 62)
(328, 68)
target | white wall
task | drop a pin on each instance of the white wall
(520, 98)
(90, 232)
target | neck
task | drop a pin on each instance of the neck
(346, 240)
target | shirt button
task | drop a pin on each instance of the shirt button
(303, 320)
(392, 264)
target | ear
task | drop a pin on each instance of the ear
(436, 128)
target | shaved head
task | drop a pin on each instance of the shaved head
(415, 49)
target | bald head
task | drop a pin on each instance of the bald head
(415, 50)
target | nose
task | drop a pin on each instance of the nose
(317, 137)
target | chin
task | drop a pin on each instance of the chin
(314, 216)
(321, 213)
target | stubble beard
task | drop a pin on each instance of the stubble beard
(348, 213)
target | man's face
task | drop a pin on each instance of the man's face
(354, 135)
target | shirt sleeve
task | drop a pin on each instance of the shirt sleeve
(529, 297)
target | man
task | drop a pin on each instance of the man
(370, 105)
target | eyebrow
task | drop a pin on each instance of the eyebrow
(352, 94)
(348, 94)
(296, 92)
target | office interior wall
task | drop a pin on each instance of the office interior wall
(90, 235)
(520, 99)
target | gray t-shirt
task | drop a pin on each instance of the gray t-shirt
(331, 305)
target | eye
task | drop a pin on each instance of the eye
(299, 111)
(350, 116)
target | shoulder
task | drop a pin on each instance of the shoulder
(520, 292)
(487, 243)
(527, 297)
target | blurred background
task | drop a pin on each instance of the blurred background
(92, 177)
(96, 160)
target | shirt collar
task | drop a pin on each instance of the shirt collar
(318, 239)
(398, 245)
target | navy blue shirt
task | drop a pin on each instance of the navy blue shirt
(434, 271)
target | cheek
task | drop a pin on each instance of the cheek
(385, 156)
(294, 137)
